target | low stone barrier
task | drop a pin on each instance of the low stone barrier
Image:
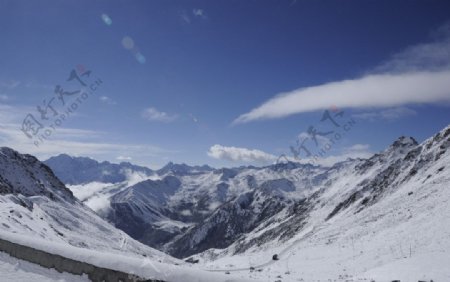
(62, 264)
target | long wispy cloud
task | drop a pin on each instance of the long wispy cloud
(418, 75)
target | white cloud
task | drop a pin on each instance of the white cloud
(419, 75)
(358, 148)
(124, 158)
(431, 56)
(100, 203)
(152, 114)
(236, 154)
(188, 17)
(13, 114)
(107, 100)
(186, 212)
(61, 143)
(72, 141)
(199, 13)
(385, 90)
(85, 191)
(388, 114)
(134, 177)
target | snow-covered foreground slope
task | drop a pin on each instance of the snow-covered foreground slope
(38, 211)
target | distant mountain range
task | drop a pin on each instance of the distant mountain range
(186, 210)
(374, 215)
(42, 225)
(82, 170)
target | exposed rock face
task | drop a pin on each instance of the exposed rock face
(25, 175)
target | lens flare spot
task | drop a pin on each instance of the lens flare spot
(140, 58)
(106, 19)
(127, 43)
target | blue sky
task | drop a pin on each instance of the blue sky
(224, 82)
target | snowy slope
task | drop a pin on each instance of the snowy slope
(38, 211)
(384, 219)
(34, 202)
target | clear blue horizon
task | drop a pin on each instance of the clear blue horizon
(224, 83)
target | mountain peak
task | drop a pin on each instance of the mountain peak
(24, 174)
(183, 168)
(404, 141)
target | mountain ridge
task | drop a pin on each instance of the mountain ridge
(238, 209)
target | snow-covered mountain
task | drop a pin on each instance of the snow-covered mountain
(37, 211)
(182, 169)
(35, 203)
(380, 219)
(375, 212)
(82, 170)
(164, 211)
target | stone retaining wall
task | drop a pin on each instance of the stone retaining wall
(63, 264)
